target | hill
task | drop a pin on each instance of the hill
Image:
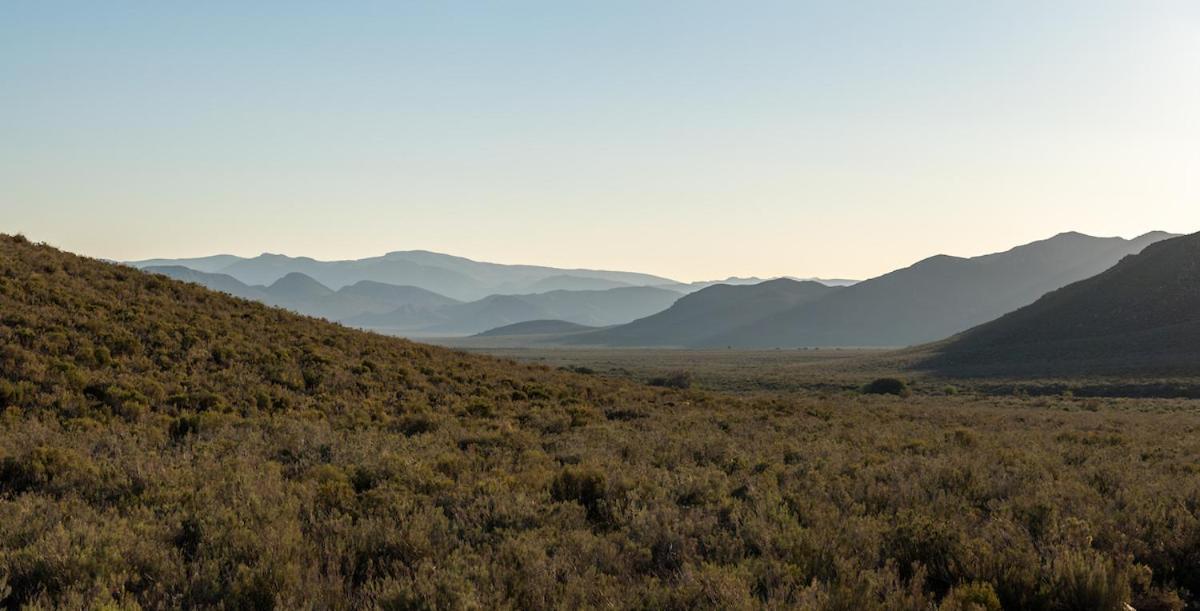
(296, 287)
(223, 283)
(696, 318)
(1142, 317)
(937, 297)
(536, 327)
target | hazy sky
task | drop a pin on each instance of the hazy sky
(690, 139)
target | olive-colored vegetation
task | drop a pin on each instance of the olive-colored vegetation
(164, 446)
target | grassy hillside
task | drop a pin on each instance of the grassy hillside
(1142, 317)
(164, 446)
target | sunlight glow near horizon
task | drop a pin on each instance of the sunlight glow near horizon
(693, 140)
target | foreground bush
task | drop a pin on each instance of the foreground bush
(887, 386)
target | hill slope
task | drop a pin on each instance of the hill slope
(939, 296)
(696, 318)
(535, 327)
(1140, 317)
(217, 282)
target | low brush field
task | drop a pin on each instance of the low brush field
(166, 447)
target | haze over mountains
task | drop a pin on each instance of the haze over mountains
(414, 311)
(709, 312)
(1140, 317)
(399, 293)
(455, 277)
(934, 298)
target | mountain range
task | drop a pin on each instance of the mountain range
(928, 301)
(414, 311)
(1141, 317)
(423, 294)
(455, 277)
(709, 312)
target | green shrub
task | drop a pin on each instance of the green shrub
(681, 380)
(887, 386)
(586, 486)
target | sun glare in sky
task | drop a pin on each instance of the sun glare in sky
(688, 139)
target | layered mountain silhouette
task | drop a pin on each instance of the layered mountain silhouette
(591, 308)
(936, 297)
(217, 282)
(303, 294)
(421, 293)
(1140, 317)
(696, 318)
(456, 277)
(410, 310)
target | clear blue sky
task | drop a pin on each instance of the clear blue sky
(691, 139)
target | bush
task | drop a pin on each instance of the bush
(586, 486)
(887, 386)
(681, 380)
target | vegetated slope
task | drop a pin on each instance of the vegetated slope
(163, 446)
(937, 297)
(536, 327)
(1142, 317)
(694, 319)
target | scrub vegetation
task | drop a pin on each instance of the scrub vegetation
(163, 446)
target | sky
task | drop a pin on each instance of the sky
(690, 139)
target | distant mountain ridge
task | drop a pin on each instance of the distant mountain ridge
(1141, 317)
(456, 277)
(590, 308)
(410, 310)
(937, 297)
(694, 319)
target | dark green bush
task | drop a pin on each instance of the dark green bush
(887, 386)
(678, 379)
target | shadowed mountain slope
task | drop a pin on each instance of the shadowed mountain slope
(937, 297)
(1141, 317)
(696, 318)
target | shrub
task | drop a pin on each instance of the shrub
(974, 596)
(586, 486)
(887, 386)
(681, 380)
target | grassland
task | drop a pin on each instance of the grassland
(165, 447)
